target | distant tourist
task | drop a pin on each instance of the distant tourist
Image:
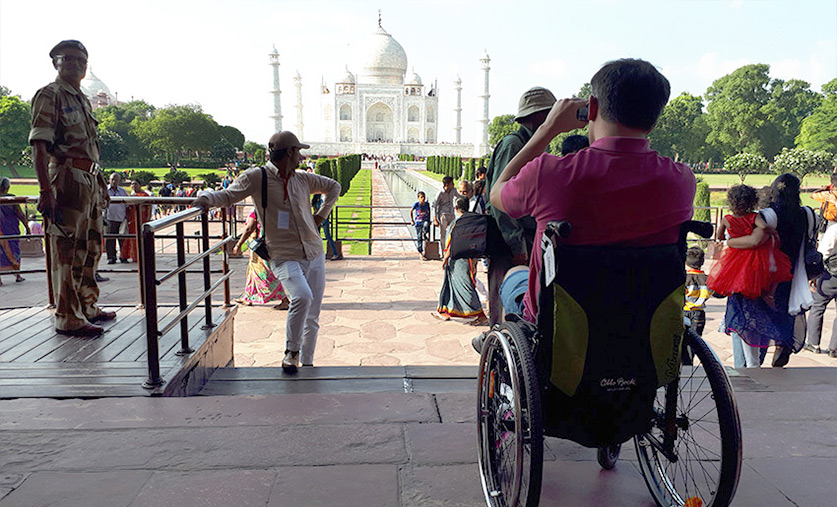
(35, 226)
(291, 236)
(443, 208)
(420, 215)
(64, 142)
(518, 233)
(11, 216)
(129, 248)
(115, 215)
(574, 143)
(262, 286)
(458, 296)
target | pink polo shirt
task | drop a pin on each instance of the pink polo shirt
(616, 191)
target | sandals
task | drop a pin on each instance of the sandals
(479, 321)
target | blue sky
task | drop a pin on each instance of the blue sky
(215, 52)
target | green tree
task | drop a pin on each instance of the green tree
(746, 163)
(819, 130)
(112, 148)
(681, 129)
(14, 130)
(4, 92)
(123, 120)
(735, 110)
(223, 151)
(210, 178)
(802, 162)
(233, 135)
(702, 201)
(177, 177)
(790, 103)
(585, 91)
(178, 128)
(259, 156)
(250, 148)
(500, 127)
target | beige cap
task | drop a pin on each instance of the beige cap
(283, 140)
(534, 100)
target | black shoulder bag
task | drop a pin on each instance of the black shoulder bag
(258, 245)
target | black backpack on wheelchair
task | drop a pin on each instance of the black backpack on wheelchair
(608, 360)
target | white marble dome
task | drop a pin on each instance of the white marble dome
(415, 80)
(385, 59)
(92, 85)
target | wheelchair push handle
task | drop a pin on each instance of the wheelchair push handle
(702, 229)
(560, 229)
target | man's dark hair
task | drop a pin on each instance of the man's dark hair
(574, 143)
(694, 257)
(630, 92)
(742, 199)
(447, 180)
(461, 203)
(834, 179)
(421, 194)
(480, 171)
(277, 155)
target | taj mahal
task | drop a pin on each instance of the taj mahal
(380, 111)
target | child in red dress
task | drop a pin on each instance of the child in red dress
(753, 272)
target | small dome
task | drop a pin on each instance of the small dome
(92, 86)
(349, 77)
(386, 60)
(415, 80)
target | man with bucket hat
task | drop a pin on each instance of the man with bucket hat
(291, 235)
(65, 153)
(518, 234)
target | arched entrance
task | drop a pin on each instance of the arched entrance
(379, 123)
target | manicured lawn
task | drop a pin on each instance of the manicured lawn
(360, 193)
(757, 181)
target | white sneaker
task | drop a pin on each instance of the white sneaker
(291, 361)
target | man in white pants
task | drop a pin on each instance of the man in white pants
(291, 235)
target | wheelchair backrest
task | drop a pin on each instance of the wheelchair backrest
(615, 317)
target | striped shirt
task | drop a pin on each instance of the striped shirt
(696, 290)
(62, 116)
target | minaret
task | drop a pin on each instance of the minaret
(457, 85)
(277, 104)
(481, 145)
(298, 83)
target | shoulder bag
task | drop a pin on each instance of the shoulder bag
(258, 245)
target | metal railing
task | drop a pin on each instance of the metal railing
(150, 283)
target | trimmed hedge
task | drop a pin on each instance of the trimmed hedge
(342, 169)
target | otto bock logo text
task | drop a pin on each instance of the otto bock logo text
(617, 384)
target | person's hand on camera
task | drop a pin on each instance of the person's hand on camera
(562, 116)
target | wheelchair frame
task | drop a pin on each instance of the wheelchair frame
(513, 381)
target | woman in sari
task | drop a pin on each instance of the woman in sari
(458, 296)
(10, 218)
(262, 286)
(129, 249)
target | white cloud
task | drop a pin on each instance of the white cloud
(549, 69)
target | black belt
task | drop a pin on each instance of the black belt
(83, 164)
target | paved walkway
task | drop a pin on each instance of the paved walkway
(370, 450)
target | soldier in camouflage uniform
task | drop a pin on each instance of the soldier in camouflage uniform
(73, 193)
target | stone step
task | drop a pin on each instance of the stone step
(341, 379)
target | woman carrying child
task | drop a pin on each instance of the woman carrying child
(761, 324)
(753, 272)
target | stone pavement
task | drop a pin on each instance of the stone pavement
(381, 449)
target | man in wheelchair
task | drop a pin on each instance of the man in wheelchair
(602, 310)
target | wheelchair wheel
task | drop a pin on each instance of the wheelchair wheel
(509, 424)
(608, 456)
(692, 455)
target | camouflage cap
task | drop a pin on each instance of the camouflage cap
(67, 44)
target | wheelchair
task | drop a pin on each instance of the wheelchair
(609, 359)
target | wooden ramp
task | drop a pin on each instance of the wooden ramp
(36, 362)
